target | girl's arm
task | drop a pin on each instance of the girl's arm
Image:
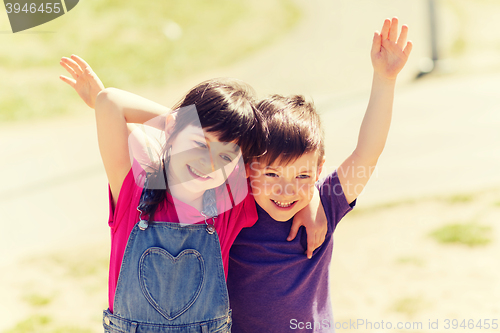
(88, 85)
(114, 108)
(112, 136)
(313, 218)
(389, 55)
(135, 109)
(85, 82)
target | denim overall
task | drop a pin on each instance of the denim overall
(171, 280)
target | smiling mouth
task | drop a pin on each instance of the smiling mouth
(197, 174)
(283, 204)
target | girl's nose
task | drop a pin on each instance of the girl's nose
(206, 160)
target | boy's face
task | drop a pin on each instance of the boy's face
(282, 191)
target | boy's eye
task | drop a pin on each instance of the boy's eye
(226, 157)
(200, 144)
(271, 174)
(303, 176)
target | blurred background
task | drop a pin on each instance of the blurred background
(423, 241)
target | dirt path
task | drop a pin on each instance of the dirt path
(388, 268)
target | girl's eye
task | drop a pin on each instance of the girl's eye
(226, 158)
(271, 174)
(303, 176)
(200, 144)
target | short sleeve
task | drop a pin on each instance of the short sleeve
(333, 199)
(111, 217)
(247, 211)
(243, 215)
(129, 196)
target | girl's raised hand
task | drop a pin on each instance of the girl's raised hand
(86, 83)
(390, 53)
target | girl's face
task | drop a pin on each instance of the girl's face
(199, 161)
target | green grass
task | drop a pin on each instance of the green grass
(44, 324)
(459, 45)
(35, 101)
(409, 260)
(460, 198)
(409, 305)
(453, 199)
(470, 234)
(37, 300)
(385, 206)
(82, 267)
(33, 324)
(125, 43)
(70, 329)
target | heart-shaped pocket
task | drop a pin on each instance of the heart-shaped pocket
(171, 284)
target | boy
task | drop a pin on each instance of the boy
(272, 286)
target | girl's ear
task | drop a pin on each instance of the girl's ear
(170, 123)
(320, 168)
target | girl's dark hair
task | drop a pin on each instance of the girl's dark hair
(294, 128)
(225, 107)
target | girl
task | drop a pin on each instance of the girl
(166, 276)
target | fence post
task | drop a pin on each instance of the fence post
(427, 65)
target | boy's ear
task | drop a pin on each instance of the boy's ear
(320, 167)
(170, 123)
(247, 169)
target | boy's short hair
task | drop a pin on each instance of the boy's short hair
(294, 128)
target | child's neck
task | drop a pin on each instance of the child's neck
(193, 199)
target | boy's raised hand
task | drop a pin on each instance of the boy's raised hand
(86, 83)
(390, 53)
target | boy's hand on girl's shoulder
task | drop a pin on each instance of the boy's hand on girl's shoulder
(86, 83)
(313, 218)
(390, 53)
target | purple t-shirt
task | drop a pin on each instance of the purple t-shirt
(272, 285)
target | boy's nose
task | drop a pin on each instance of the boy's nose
(289, 189)
(284, 189)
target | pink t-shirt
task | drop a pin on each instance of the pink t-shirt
(124, 216)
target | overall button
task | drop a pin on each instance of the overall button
(210, 229)
(106, 321)
(143, 224)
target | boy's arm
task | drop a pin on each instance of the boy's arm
(389, 55)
